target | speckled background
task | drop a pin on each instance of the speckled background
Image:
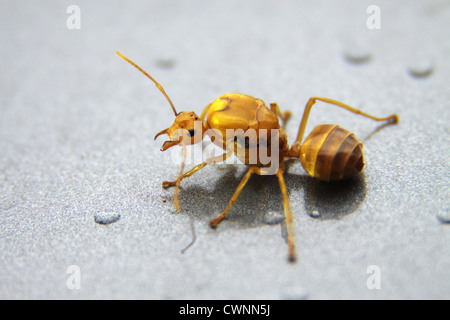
(76, 146)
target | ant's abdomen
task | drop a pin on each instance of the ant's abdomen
(331, 153)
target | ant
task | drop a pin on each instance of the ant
(329, 153)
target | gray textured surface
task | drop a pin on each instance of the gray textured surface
(76, 141)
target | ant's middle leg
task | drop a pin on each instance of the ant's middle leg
(284, 116)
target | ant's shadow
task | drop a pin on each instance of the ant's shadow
(330, 200)
(261, 202)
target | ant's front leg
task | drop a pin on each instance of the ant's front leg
(222, 157)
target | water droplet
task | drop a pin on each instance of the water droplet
(174, 210)
(357, 55)
(165, 63)
(315, 214)
(297, 293)
(421, 68)
(444, 215)
(273, 218)
(106, 217)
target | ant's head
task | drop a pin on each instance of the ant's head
(187, 127)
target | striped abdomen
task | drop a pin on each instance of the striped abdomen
(331, 153)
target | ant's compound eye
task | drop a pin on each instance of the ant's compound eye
(191, 132)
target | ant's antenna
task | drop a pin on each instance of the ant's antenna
(151, 78)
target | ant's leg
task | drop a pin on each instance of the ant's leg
(213, 223)
(285, 116)
(312, 101)
(288, 217)
(222, 157)
(177, 185)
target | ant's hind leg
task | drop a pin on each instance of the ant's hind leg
(288, 217)
(301, 130)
